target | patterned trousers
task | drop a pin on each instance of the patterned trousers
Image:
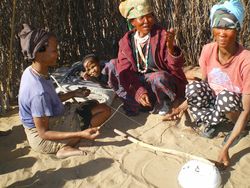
(208, 108)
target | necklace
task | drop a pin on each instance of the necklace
(141, 40)
(138, 51)
(46, 76)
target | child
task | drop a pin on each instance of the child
(105, 73)
(91, 70)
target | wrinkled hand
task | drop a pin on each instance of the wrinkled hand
(144, 100)
(82, 92)
(170, 35)
(223, 160)
(176, 112)
(174, 115)
(90, 133)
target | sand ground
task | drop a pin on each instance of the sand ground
(114, 161)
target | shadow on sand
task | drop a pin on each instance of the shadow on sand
(58, 178)
(11, 157)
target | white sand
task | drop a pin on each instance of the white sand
(116, 162)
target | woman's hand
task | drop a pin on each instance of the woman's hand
(144, 100)
(81, 92)
(223, 159)
(176, 112)
(170, 40)
(90, 133)
(174, 115)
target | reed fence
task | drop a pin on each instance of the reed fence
(84, 26)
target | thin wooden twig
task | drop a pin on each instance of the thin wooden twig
(164, 150)
(62, 88)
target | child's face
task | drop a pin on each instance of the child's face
(92, 68)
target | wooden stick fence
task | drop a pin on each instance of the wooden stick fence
(95, 26)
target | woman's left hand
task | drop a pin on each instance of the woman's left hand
(223, 159)
(170, 40)
(81, 92)
(144, 100)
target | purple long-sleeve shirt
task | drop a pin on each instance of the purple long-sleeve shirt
(164, 61)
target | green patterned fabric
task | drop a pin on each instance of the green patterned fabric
(227, 14)
(223, 19)
(130, 26)
(131, 9)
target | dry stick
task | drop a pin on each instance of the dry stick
(165, 150)
(62, 89)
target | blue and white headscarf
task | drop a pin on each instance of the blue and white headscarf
(228, 14)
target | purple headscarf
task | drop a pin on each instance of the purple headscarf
(32, 40)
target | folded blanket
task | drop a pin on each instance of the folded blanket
(69, 80)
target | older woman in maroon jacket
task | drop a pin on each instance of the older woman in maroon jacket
(149, 63)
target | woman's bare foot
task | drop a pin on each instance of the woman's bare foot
(69, 151)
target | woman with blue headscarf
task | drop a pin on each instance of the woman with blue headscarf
(223, 95)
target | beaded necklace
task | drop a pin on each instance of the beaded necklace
(138, 50)
(46, 76)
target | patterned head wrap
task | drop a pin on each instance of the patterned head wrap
(131, 9)
(227, 14)
(32, 41)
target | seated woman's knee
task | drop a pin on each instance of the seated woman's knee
(233, 116)
(106, 109)
(227, 101)
(102, 108)
(198, 93)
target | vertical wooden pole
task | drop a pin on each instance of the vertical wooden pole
(10, 65)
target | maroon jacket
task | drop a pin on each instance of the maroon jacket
(127, 69)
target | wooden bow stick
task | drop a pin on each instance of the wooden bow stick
(63, 89)
(164, 150)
